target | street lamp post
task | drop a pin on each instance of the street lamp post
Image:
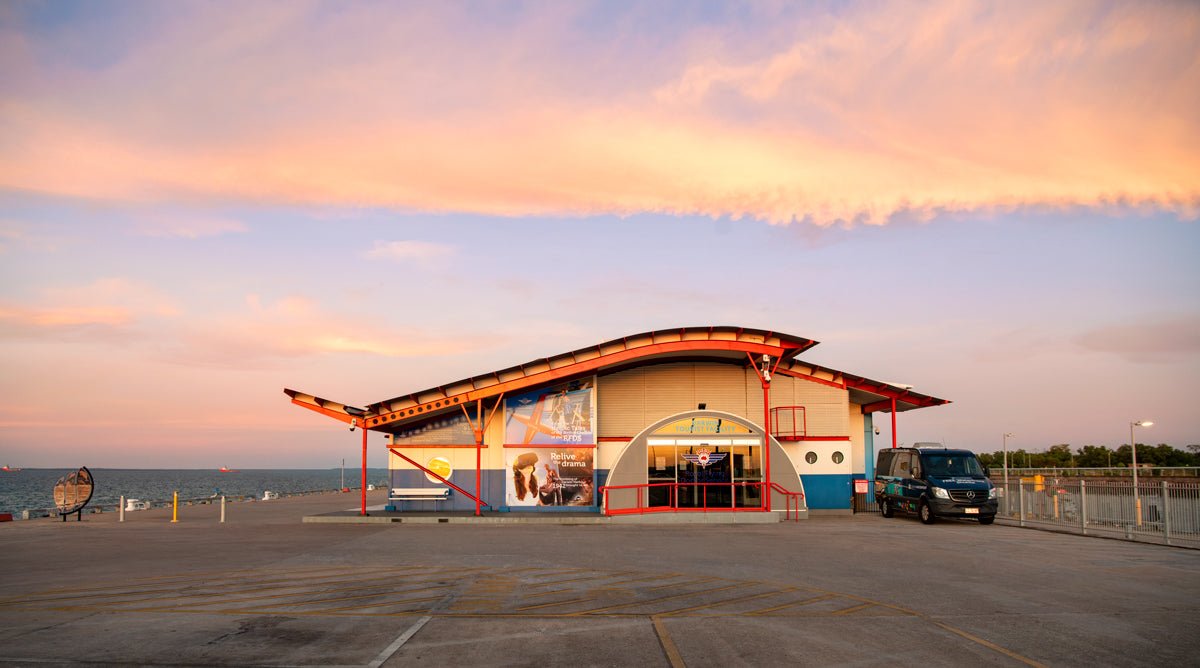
(1006, 437)
(1137, 500)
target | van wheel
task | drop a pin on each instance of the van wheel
(885, 508)
(987, 520)
(925, 513)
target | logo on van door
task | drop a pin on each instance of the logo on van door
(703, 458)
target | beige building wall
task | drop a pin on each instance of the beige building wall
(857, 439)
(630, 400)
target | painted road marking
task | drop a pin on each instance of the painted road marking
(399, 642)
(668, 645)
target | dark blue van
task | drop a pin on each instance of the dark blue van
(932, 483)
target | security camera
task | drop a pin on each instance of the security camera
(876, 431)
(353, 423)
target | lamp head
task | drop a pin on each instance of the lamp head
(1142, 423)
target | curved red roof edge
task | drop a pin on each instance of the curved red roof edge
(589, 360)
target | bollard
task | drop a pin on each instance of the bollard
(121, 510)
(1082, 506)
(1166, 513)
(175, 507)
(1021, 501)
(222, 510)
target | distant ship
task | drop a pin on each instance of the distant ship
(226, 469)
(9, 469)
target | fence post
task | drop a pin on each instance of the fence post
(121, 510)
(1021, 499)
(1166, 513)
(222, 510)
(1083, 505)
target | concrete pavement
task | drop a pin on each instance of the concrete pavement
(265, 589)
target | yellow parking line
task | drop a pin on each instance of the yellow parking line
(666, 576)
(806, 601)
(380, 604)
(853, 609)
(547, 593)
(683, 584)
(356, 597)
(726, 602)
(176, 586)
(549, 605)
(585, 577)
(658, 600)
(992, 646)
(668, 645)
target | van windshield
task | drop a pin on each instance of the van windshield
(949, 466)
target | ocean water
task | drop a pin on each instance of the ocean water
(33, 489)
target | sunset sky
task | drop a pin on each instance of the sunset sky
(204, 203)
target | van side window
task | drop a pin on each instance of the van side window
(885, 463)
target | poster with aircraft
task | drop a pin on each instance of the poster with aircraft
(557, 415)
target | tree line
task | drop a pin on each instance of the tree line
(1094, 456)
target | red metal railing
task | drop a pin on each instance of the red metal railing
(789, 497)
(672, 506)
(789, 423)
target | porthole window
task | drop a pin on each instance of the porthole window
(838, 457)
(811, 457)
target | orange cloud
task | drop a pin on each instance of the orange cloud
(853, 117)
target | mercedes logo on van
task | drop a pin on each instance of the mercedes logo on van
(970, 494)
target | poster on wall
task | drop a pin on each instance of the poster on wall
(549, 477)
(558, 415)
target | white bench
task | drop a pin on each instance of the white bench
(419, 494)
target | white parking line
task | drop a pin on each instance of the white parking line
(398, 643)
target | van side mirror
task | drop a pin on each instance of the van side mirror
(987, 472)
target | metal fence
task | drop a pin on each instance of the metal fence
(1169, 510)
(1161, 511)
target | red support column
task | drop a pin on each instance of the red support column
(767, 440)
(893, 422)
(364, 469)
(478, 450)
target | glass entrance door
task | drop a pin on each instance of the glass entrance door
(704, 476)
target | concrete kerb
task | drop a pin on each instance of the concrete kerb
(466, 517)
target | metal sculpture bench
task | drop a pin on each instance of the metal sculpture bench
(419, 494)
(72, 492)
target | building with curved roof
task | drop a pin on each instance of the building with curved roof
(695, 419)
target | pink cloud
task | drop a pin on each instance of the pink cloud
(113, 303)
(190, 228)
(1155, 341)
(851, 117)
(296, 327)
(408, 250)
